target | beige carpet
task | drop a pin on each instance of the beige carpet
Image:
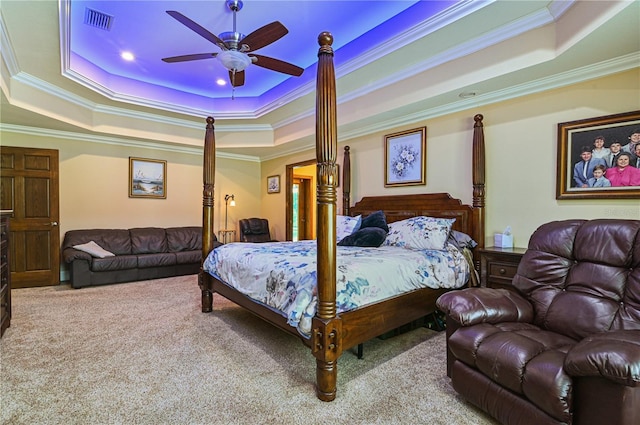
(143, 353)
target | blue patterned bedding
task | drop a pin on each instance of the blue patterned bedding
(283, 275)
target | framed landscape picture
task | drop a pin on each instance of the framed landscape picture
(598, 157)
(405, 158)
(147, 178)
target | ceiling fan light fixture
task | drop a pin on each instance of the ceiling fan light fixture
(234, 60)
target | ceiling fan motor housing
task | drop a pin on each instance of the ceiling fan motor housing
(231, 39)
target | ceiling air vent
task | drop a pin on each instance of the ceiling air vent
(97, 19)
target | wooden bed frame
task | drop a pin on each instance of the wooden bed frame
(331, 334)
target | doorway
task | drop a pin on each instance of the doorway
(29, 188)
(301, 198)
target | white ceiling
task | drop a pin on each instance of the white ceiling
(397, 62)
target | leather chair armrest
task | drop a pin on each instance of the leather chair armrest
(485, 305)
(71, 254)
(613, 355)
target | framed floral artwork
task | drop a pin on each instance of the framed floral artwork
(273, 184)
(405, 158)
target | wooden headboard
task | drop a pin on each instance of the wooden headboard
(400, 207)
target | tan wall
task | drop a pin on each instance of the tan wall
(521, 157)
(94, 185)
(521, 168)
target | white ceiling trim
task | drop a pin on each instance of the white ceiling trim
(8, 55)
(516, 28)
(441, 20)
(583, 74)
(83, 137)
(53, 90)
(532, 87)
(586, 73)
(557, 8)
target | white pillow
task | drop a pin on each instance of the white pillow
(346, 225)
(420, 233)
(94, 249)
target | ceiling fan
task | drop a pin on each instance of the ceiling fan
(237, 49)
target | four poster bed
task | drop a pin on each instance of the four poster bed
(333, 326)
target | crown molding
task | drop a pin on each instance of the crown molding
(568, 78)
(586, 73)
(108, 140)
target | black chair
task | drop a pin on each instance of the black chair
(255, 230)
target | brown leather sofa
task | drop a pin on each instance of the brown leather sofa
(140, 254)
(255, 230)
(564, 348)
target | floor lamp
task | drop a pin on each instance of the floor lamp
(229, 200)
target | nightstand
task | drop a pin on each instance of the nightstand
(499, 265)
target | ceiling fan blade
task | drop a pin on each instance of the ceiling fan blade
(197, 28)
(236, 78)
(193, 57)
(264, 36)
(277, 65)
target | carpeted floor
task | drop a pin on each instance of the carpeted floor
(143, 353)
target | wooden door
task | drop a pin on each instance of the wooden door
(303, 208)
(29, 187)
(305, 214)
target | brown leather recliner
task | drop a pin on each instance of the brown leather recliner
(565, 347)
(255, 230)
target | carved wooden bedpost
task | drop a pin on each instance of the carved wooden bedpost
(346, 180)
(478, 181)
(326, 327)
(208, 180)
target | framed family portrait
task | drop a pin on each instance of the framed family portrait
(598, 157)
(405, 158)
(273, 184)
(147, 178)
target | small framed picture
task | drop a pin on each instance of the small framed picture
(273, 184)
(599, 158)
(147, 178)
(405, 158)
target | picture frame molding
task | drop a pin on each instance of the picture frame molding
(415, 141)
(136, 167)
(572, 135)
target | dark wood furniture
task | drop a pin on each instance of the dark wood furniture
(498, 266)
(331, 333)
(5, 273)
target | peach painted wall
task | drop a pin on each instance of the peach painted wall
(521, 157)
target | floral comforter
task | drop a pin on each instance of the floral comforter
(283, 275)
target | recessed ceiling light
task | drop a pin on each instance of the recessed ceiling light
(128, 56)
(467, 94)
(221, 82)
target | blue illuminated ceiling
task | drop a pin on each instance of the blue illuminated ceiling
(395, 71)
(146, 30)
